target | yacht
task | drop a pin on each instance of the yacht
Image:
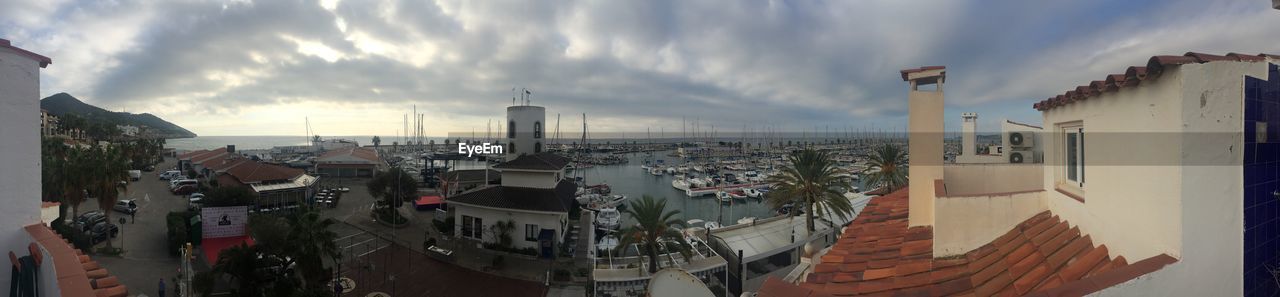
(696, 182)
(607, 244)
(724, 197)
(608, 219)
(753, 193)
(680, 183)
(656, 170)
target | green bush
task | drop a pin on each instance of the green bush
(445, 227)
(78, 238)
(180, 231)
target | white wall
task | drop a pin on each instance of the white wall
(962, 224)
(973, 179)
(1210, 261)
(19, 152)
(492, 216)
(1132, 157)
(527, 179)
(525, 117)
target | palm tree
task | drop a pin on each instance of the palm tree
(241, 264)
(810, 182)
(376, 141)
(109, 175)
(888, 168)
(313, 241)
(75, 178)
(655, 226)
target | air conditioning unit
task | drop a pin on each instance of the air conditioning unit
(1019, 157)
(1022, 139)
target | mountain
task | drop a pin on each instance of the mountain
(61, 104)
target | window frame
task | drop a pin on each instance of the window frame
(531, 232)
(537, 130)
(1071, 157)
(511, 129)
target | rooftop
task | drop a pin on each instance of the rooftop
(559, 199)
(77, 274)
(44, 61)
(1043, 255)
(1135, 75)
(538, 161)
(349, 155)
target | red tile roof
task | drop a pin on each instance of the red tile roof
(255, 172)
(880, 255)
(906, 72)
(359, 152)
(1134, 76)
(77, 274)
(44, 61)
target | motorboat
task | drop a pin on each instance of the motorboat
(712, 225)
(608, 219)
(656, 171)
(753, 193)
(697, 182)
(724, 197)
(607, 243)
(695, 223)
(670, 170)
(738, 194)
(747, 220)
(680, 184)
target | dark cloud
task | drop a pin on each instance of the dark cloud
(637, 63)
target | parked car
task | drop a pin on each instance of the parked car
(195, 201)
(185, 189)
(127, 206)
(135, 174)
(102, 232)
(149, 168)
(168, 175)
(88, 219)
(175, 183)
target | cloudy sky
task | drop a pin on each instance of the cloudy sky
(355, 67)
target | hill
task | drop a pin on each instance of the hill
(61, 104)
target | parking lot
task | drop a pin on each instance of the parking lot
(144, 236)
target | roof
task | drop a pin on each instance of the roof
(1022, 124)
(76, 273)
(1135, 75)
(559, 199)
(538, 161)
(350, 155)
(879, 254)
(256, 172)
(765, 237)
(44, 61)
(471, 175)
(302, 181)
(907, 72)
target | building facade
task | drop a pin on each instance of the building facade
(534, 196)
(349, 162)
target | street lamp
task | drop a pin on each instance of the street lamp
(121, 234)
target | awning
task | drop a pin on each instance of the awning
(428, 202)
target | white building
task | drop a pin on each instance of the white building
(1160, 181)
(535, 195)
(525, 127)
(43, 260)
(1017, 143)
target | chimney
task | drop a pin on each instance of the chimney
(231, 149)
(925, 132)
(968, 137)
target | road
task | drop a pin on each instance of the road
(145, 260)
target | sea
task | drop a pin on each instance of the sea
(626, 179)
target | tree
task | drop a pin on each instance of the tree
(502, 231)
(241, 264)
(393, 186)
(376, 141)
(108, 176)
(655, 227)
(312, 242)
(810, 182)
(887, 168)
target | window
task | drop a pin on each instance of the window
(537, 129)
(466, 226)
(511, 148)
(472, 227)
(531, 232)
(537, 147)
(511, 129)
(1073, 154)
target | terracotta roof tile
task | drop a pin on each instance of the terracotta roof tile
(1134, 75)
(878, 255)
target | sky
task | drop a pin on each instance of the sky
(353, 67)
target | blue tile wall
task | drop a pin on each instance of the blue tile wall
(1261, 178)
